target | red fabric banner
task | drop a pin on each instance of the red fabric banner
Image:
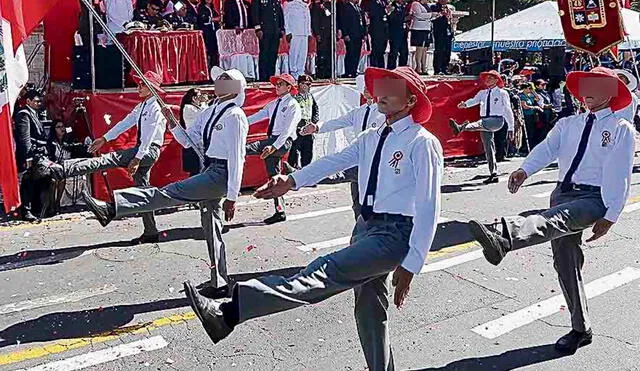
(593, 26)
(24, 16)
(445, 97)
(178, 56)
(8, 169)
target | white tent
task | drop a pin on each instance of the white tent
(534, 29)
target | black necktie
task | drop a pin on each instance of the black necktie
(211, 124)
(273, 118)
(139, 134)
(488, 103)
(372, 183)
(582, 147)
(366, 118)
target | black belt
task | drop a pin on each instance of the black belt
(214, 161)
(492, 117)
(582, 187)
(391, 217)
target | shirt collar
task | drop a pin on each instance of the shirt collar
(603, 113)
(400, 125)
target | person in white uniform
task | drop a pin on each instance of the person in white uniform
(630, 112)
(138, 160)
(595, 152)
(359, 119)
(220, 131)
(297, 27)
(284, 114)
(401, 166)
(495, 109)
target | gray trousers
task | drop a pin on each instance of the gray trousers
(351, 175)
(377, 248)
(273, 163)
(487, 126)
(207, 188)
(121, 158)
(570, 213)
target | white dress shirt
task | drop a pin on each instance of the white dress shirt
(354, 119)
(242, 11)
(152, 125)
(410, 186)
(287, 119)
(500, 104)
(297, 18)
(118, 12)
(629, 112)
(228, 141)
(607, 161)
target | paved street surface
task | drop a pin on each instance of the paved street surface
(75, 296)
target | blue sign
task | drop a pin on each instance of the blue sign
(501, 46)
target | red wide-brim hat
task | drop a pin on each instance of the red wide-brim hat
(153, 78)
(286, 78)
(421, 112)
(492, 73)
(622, 100)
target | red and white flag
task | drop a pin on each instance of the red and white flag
(19, 18)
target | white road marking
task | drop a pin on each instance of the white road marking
(103, 356)
(338, 241)
(448, 263)
(290, 196)
(545, 308)
(57, 299)
(314, 214)
(543, 194)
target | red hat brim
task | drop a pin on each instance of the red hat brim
(621, 101)
(495, 74)
(421, 112)
(138, 80)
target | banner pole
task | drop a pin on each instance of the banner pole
(139, 72)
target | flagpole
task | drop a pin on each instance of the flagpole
(139, 72)
(493, 20)
(334, 33)
(92, 53)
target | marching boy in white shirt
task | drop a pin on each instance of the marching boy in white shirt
(495, 109)
(151, 125)
(595, 153)
(400, 169)
(221, 132)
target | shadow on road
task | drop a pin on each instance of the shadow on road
(111, 320)
(509, 360)
(31, 258)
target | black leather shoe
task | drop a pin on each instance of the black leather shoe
(104, 212)
(455, 127)
(494, 246)
(276, 218)
(215, 292)
(27, 216)
(146, 238)
(570, 343)
(208, 312)
(492, 179)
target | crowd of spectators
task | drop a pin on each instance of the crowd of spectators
(378, 33)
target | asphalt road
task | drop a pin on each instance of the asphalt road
(75, 296)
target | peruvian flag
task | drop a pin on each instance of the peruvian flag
(19, 18)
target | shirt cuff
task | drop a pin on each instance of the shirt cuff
(612, 215)
(299, 180)
(413, 262)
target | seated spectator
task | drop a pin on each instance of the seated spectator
(60, 146)
(208, 22)
(180, 19)
(168, 7)
(150, 15)
(236, 15)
